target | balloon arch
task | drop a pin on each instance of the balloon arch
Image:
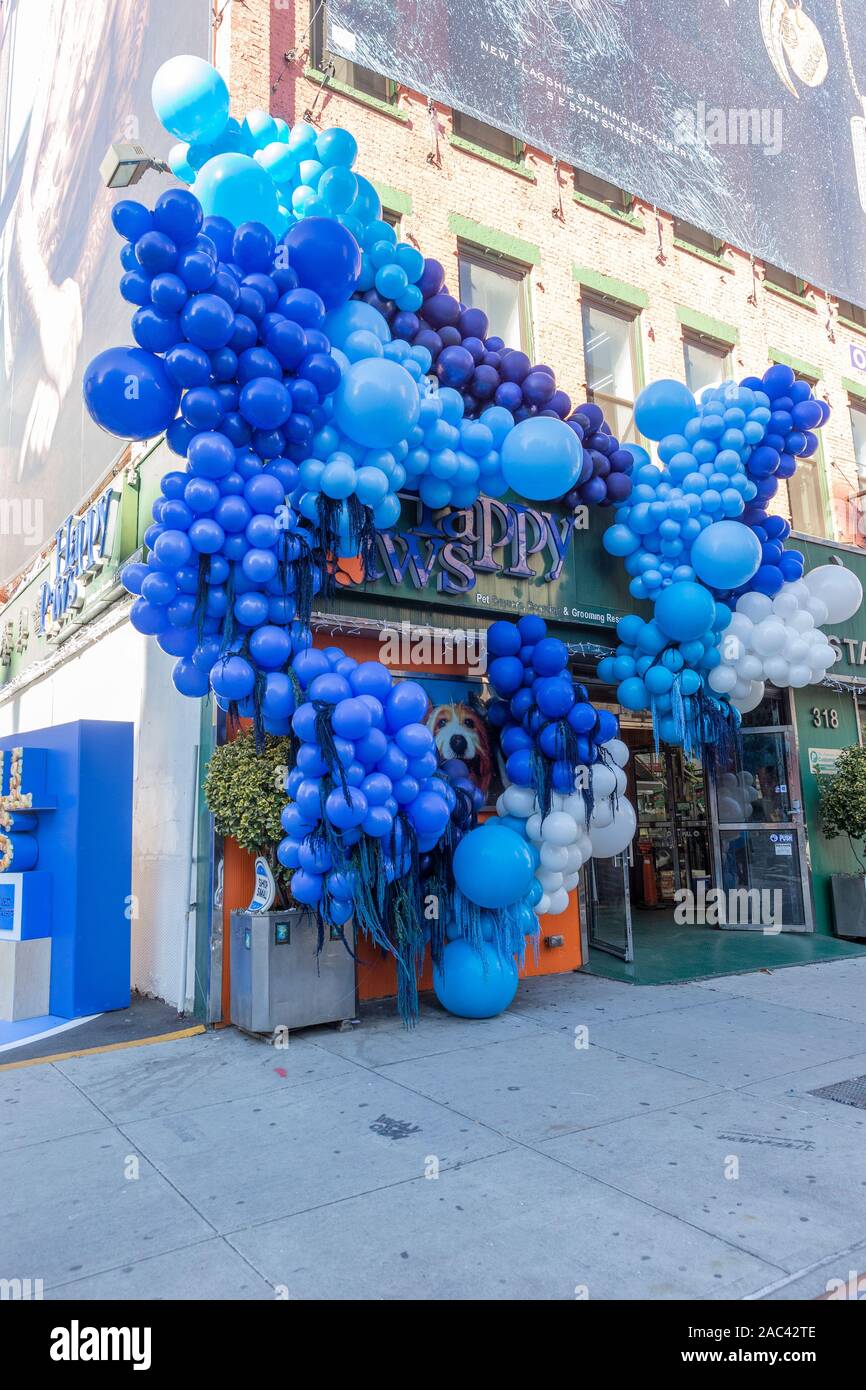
(308, 369)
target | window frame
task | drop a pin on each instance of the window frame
(320, 58)
(596, 195)
(514, 155)
(799, 292)
(631, 316)
(688, 234)
(724, 351)
(510, 269)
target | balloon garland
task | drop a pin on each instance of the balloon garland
(564, 761)
(278, 345)
(731, 609)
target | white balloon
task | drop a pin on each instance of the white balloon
(519, 801)
(817, 609)
(542, 907)
(755, 607)
(533, 827)
(747, 703)
(739, 626)
(785, 605)
(837, 587)
(722, 679)
(554, 857)
(603, 780)
(798, 650)
(571, 882)
(621, 780)
(558, 829)
(602, 815)
(776, 668)
(617, 750)
(802, 621)
(558, 902)
(769, 636)
(550, 879)
(799, 676)
(751, 667)
(733, 648)
(614, 838)
(574, 858)
(800, 591)
(501, 805)
(575, 806)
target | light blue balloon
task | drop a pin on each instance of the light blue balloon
(726, 554)
(475, 982)
(178, 163)
(355, 317)
(190, 99)
(376, 403)
(234, 186)
(664, 407)
(541, 458)
(685, 611)
(279, 161)
(493, 866)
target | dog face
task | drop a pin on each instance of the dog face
(460, 732)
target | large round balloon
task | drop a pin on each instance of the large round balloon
(686, 610)
(664, 407)
(726, 554)
(128, 393)
(376, 403)
(839, 590)
(191, 99)
(326, 258)
(612, 839)
(541, 458)
(474, 983)
(493, 866)
(234, 186)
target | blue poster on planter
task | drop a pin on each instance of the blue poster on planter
(65, 869)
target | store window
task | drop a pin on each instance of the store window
(852, 312)
(501, 288)
(610, 351)
(784, 280)
(858, 431)
(697, 237)
(600, 191)
(360, 79)
(708, 363)
(394, 219)
(486, 136)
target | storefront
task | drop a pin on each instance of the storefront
(68, 652)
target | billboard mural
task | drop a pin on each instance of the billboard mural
(72, 79)
(746, 118)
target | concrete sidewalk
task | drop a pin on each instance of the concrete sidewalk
(599, 1140)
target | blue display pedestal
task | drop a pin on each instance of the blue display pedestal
(66, 819)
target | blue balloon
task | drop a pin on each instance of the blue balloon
(726, 555)
(541, 458)
(325, 257)
(191, 99)
(236, 187)
(376, 403)
(492, 866)
(684, 611)
(474, 982)
(137, 413)
(355, 317)
(664, 407)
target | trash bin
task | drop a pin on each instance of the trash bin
(278, 980)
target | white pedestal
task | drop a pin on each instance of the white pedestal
(25, 978)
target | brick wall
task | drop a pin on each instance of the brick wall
(408, 150)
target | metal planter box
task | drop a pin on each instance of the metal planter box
(849, 904)
(278, 980)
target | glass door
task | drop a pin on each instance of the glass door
(607, 906)
(758, 827)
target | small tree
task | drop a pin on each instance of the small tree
(843, 801)
(245, 793)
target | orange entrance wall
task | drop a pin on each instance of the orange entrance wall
(376, 971)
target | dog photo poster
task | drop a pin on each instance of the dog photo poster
(457, 720)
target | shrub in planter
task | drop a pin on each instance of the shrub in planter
(244, 791)
(843, 801)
